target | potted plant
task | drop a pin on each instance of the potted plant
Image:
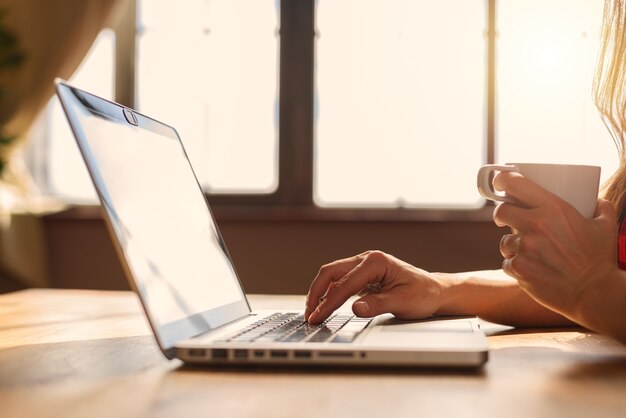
(11, 57)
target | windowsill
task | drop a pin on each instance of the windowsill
(307, 213)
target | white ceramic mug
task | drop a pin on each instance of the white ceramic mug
(576, 184)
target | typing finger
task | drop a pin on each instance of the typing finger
(328, 273)
(370, 271)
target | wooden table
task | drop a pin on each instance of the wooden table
(90, 354)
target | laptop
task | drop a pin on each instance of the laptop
(176, 261)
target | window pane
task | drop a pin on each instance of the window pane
(66, 175)
(401, 88)
(210, 69)
(546, 55)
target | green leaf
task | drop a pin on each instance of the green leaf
(10, 54)
(12, 60)
(11, 57)
(6, 140)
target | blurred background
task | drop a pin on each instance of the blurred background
(318, 129)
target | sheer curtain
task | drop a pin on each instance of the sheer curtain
(54, 36)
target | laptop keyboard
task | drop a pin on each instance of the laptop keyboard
(291, 327)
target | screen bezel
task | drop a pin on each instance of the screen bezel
(169, 333)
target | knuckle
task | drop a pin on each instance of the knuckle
(503, 241)
(332, 287)
(517, 266)
(508, 244)
(499, 213)
(324, 269)
(377, 256)
(506, 267)
(339, 283)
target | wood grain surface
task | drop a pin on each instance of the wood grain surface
(66, 353)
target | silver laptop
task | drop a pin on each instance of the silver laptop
(176, 260)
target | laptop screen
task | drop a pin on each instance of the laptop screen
(166, 235)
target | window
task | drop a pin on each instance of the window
(210, 69)
(400, 100)
(546, 58)
(60, 169)
(355, 103)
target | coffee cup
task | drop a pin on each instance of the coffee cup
(576, 184)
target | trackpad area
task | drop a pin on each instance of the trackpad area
(429, 325)
(447, 333)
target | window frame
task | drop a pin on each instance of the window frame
(293, 198)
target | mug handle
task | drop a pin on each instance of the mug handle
(485, 187)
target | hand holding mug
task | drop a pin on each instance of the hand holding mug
(575, 184)
(561, 245)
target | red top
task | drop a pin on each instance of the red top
(621, 245)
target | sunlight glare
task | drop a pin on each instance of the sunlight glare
(546, 57)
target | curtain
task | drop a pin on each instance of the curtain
(54, 36)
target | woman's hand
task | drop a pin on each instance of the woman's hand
(386, 284)
(555, 254)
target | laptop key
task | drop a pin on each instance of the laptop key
(297, 336)
(321, 336)
(291, 327)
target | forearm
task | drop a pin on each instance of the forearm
(495, 297)
(601, 306)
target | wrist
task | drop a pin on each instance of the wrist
(489, 294)
(453, 295)
(600, 305)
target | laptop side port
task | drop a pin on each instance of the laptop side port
(196, 352)
(302, 354)
(278, 354)
(241, 354)
(219, 354)
(338, 354)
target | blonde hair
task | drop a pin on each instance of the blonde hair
(609, 87)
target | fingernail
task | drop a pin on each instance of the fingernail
(361, 306)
